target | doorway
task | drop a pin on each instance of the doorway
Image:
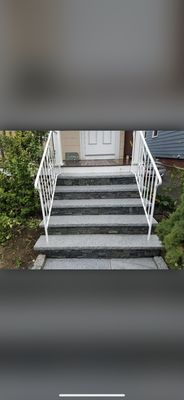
(100, 145)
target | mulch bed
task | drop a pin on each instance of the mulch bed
(18, 253)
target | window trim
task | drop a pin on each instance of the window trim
(154, 134)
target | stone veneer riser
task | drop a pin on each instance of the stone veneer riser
(96, 195)
(95, 211)
(95, 181)
(100, 253)
(91, 230)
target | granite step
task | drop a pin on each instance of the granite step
(97, 207)
(91, 179)
(99, 246)
(96, 192)
(76, 264)
(94, 224)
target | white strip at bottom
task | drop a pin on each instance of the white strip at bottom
(119, 395)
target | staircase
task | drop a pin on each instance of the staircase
(98, 222)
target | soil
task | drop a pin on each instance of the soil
(160, 215)
(17, 253)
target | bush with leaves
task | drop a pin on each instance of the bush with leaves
(18, 198)
(7, 225)
(171, 232)
(165, 203)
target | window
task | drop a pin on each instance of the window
(154, 134)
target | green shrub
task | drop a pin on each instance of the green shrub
(165, 203)
(32, 223)
(18, 198)
(171, 232)
(7, 226)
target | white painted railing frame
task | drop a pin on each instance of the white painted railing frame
(46, 180)
(147, 176)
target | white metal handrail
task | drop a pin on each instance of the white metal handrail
(147, 176)
(46, 180)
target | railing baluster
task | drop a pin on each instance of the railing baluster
(46, 180)
(46, 186)
(147, 177)
(148, 185)
(151, 193)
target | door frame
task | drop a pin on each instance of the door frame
(127, 146)
(82, 145)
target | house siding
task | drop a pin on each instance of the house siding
(168, 144)
(70, 141)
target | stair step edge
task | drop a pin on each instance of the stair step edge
(94, 188)
(62, 242)
(91, 220)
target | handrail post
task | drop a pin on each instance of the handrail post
(136, 151)
(58, 148)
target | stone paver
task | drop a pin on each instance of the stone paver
(77, 264)
(159, 261)
(39, 262)
(100, 264)
(133, 264)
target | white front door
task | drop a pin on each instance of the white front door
(98, 145)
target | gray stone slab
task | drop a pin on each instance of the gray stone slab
(95, 179)
(77, 264)
(96, 188)
(160, 263)
(58, 242)
(39, 262)
(102, 175)
(97, 220)
(100, 264)
(133, 264)
(89, 203)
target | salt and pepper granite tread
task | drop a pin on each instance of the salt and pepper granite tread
(93, 224)
(99, 246)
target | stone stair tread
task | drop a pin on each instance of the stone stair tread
(97, 220)
(61, 242)
(85, 203)
(97, 176)
(100, 264)
(96, 188)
